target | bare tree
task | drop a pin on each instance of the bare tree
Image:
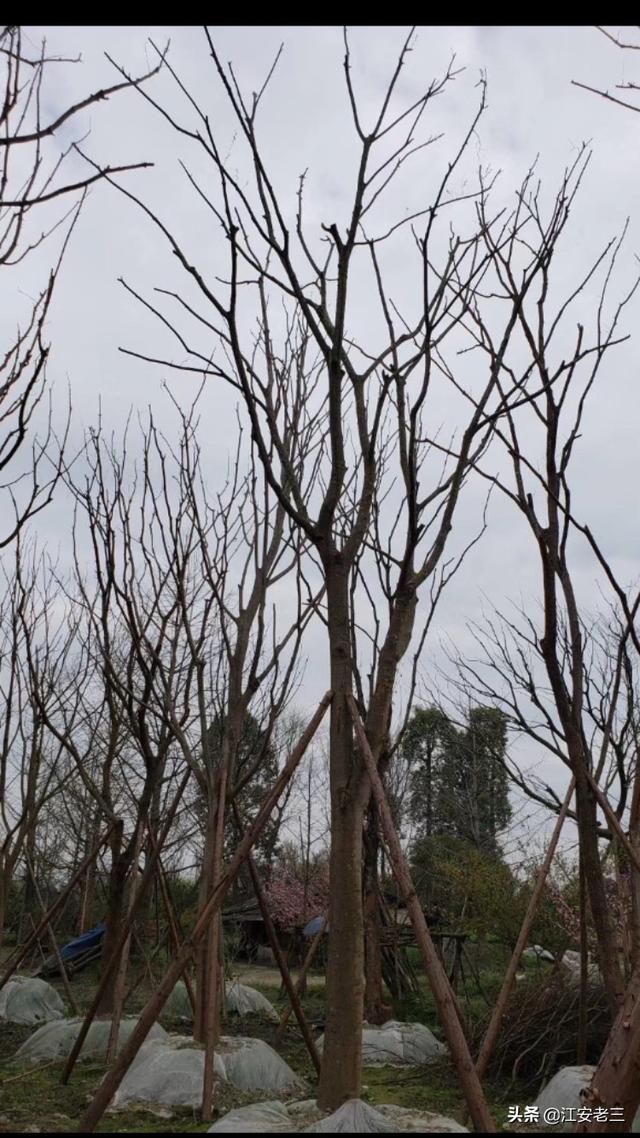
(37, 201)
(372, 390)
(555, 407)
(31, 773)
(243, 548)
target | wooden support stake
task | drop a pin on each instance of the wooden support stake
(613, 820)
(146, 969)
(583, 1026)
(295, 1002)
(152, 1010)
(112, 962)
(123, 964)
(52, 936)
(214, 971)
(440, 985)
(16, 958)
(171, 918)
(495, 1023)
(306, 965)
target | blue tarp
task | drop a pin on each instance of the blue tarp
(315, 925)
(84, 942)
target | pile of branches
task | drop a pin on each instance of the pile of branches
(540, 1029)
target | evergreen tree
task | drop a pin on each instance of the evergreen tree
(425, 741)
(458, 780)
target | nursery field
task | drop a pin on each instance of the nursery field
(32, 1098)
(319, 605)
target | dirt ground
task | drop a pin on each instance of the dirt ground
(262, 976)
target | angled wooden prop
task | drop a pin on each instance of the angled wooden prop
(53, 940)
(495, 1023)
(295, 1003)
(16, 960)
(119, 944)
(306, 965)
(152, 1010)
(438, 979)
(174, 930)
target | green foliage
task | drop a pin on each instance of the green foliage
(478, 893)
(458, 779)
(474, 888)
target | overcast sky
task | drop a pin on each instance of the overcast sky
(533, 112)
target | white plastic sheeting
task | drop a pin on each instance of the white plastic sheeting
(166, 1072)
(170, 1071)
(537, 952)
(55, 1040)
(355, 1117)
(398, 1043)
(241, 1000)
(26, 999)
(178, 1006)
(251, 1065)
(245, 1001)
(571, 963)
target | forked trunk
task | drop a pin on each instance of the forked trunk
(6, 871)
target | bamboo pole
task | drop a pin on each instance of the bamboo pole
(121, 975)
(440, 985)
(581, 1043)
(613, 820)
(112, 962)
(306, 964)
(211, 1015)
(52, 936)
(495, 1023)
(146, 969)
(150, 1013)
(171, 917)
(39, 942)
(295, 1002)
(16, 958)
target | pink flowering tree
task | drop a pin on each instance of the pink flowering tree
(295, 896)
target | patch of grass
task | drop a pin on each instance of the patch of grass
(38, 1099)
(12, 1036)
(37, 1096)
(435, 1088)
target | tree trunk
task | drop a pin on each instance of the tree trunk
(634, 881)
(203, 965)
(615, 1082)
(6, 874)
(29, 899)
(341, 1075)
(115, 916)
(376, 1010)
(145, 922)
(594, 878)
